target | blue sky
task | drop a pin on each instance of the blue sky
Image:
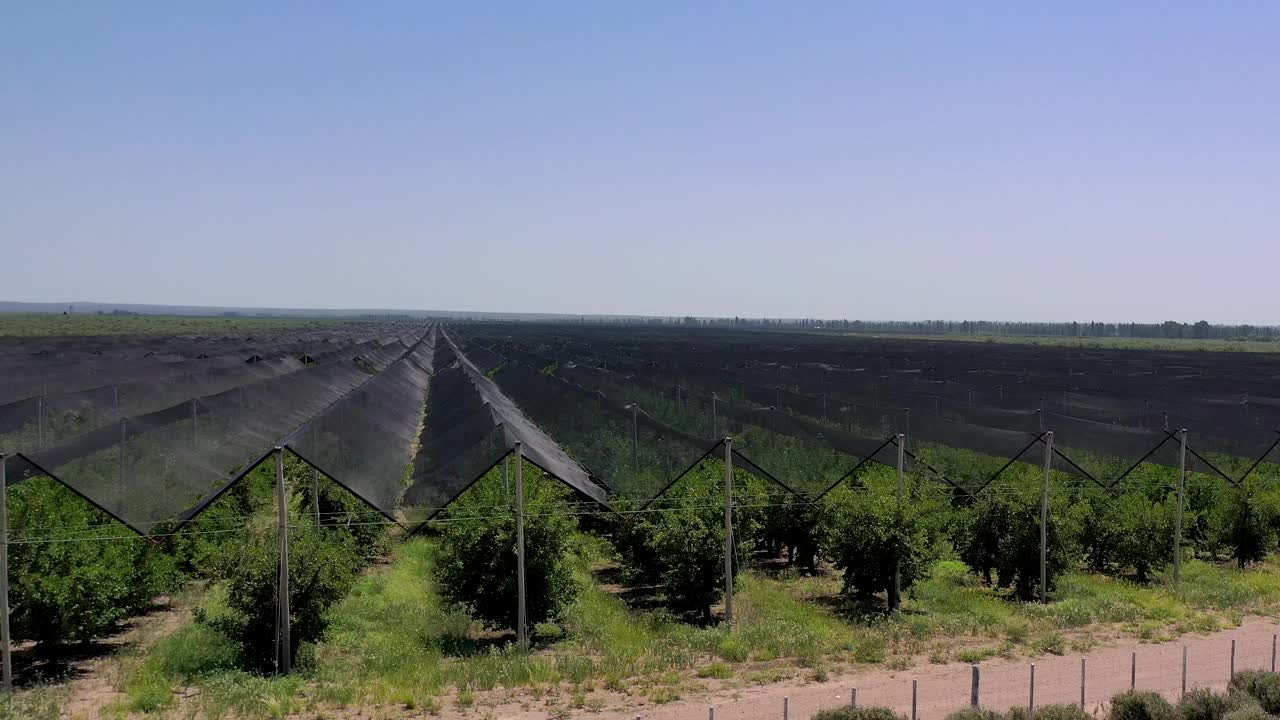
(1011, 160)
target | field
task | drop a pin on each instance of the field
(399, 479)
(31, 325)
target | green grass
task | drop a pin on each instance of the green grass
(44, 324)
(39, 703)
(393, 643)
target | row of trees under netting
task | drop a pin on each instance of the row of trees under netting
(280, 481)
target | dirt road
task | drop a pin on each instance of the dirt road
(942, 689)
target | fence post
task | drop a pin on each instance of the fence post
(973, 688)
(1177, 523)
(522, 618)
(913, 700)
(895, 593)
(1082, 683)
(1273, 653)
(1044, 518)
(284, 659)
(1031, 701)
(5, 659)
(786, 702)
(711, 712)
(1233, 658)
(853, 697)
(1184, 669)
(728, 531)
(1133, 671)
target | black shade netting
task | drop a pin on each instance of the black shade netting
(365, 440)
(147, 468)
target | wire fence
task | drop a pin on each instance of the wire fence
(1170, 669)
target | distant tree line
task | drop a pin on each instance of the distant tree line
(1168, 330)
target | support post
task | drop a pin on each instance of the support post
(522, 620)
(1044, 518)
(315, 480)
(1184, 669)
(506, 479)
(853, 697)
(1273, 653)
(315, 495)
(1082, 661)
(1177, 523)
(5, 658)
(1133, 671)
(728, 531)
(786, 707)
(1233, 659)
(895, 592)
(914, 696)
(974, 699)
(285, 659)
(714, 432)
(1031, 699)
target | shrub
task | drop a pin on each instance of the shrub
(870, 529)
(1141, 705)
(973, 713)
(798, 525)
(1261, 685)
(1204, 704)
(1018, 560)
(476, 567)
(859, 713)
(1243, 524)
(1128, 532)
(688, 540)
(1059, 712)
(682, 547)
(1248, 712)
(322, 566)
(978, 533)
(74, 591)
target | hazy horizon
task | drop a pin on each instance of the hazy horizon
(830, 161)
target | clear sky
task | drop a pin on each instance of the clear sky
(1014, 160)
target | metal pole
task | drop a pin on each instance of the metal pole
(522, 630)
(4, 578)
(728, 531)
(506, 479)
(1044, 519)
(853, 697)
(711, 712)
(1273, 653)
(973, 688)
(895, 593)
(1233, 658)
(1177, 523)
(1133, 671)
(315, 480)
(1031, 701)
(713, 415)
(285, 659)
(914, 687)
(786, 709)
